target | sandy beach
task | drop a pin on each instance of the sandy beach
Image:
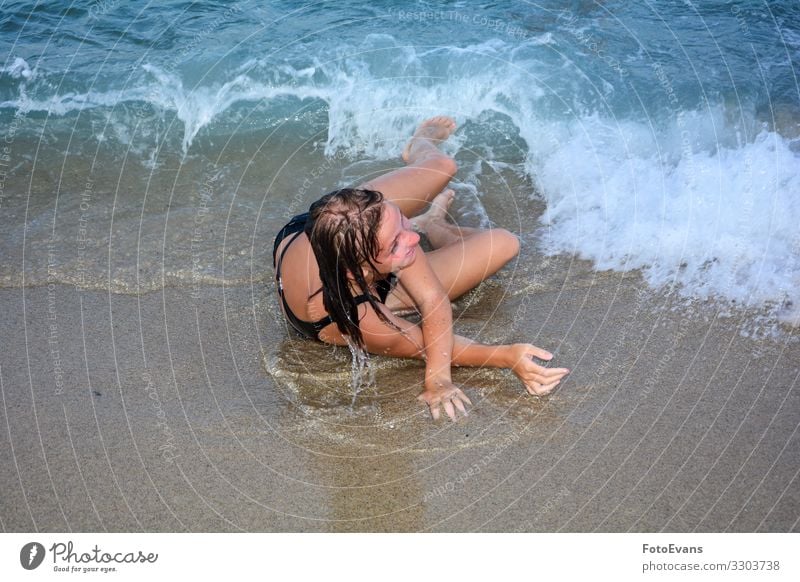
(163, 412)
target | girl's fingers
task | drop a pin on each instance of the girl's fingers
(540, 353)
(551, 373)
(542, 389)
(544, 379)
(453, 399)
(547, 388)
(448, 408)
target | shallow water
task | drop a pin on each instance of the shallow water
(139, 156)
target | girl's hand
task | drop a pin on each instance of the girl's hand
(448, 395)
(538, 380)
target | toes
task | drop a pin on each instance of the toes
(445, 199)
(445, 120)
(442, 121)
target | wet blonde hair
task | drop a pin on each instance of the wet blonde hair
(343, 230)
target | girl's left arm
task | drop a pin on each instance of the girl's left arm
(424, 288)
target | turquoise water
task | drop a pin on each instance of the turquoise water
(661, 135)
(206, 66)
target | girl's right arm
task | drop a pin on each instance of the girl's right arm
(538, 380)
(408, 343)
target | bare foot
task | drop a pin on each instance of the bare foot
(441, 204)
(430, 133)
(437, 213)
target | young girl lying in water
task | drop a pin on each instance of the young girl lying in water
(349, 264)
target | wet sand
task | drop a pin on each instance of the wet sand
(189, 407)
(174, 411)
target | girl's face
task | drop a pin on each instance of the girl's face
(399, 242)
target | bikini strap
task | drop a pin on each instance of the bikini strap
(317, 326)
(280, 261)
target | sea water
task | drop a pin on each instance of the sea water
(162, 143)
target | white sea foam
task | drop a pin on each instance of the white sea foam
(195, 107)
(18, 69)
(687, 207)
(697, 198)
(707, 201)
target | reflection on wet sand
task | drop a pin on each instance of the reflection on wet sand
(371, 453)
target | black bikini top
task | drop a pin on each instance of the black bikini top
(311, 329)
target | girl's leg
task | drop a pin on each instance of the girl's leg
(461, 266)
(428, 171)
(463, 257)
